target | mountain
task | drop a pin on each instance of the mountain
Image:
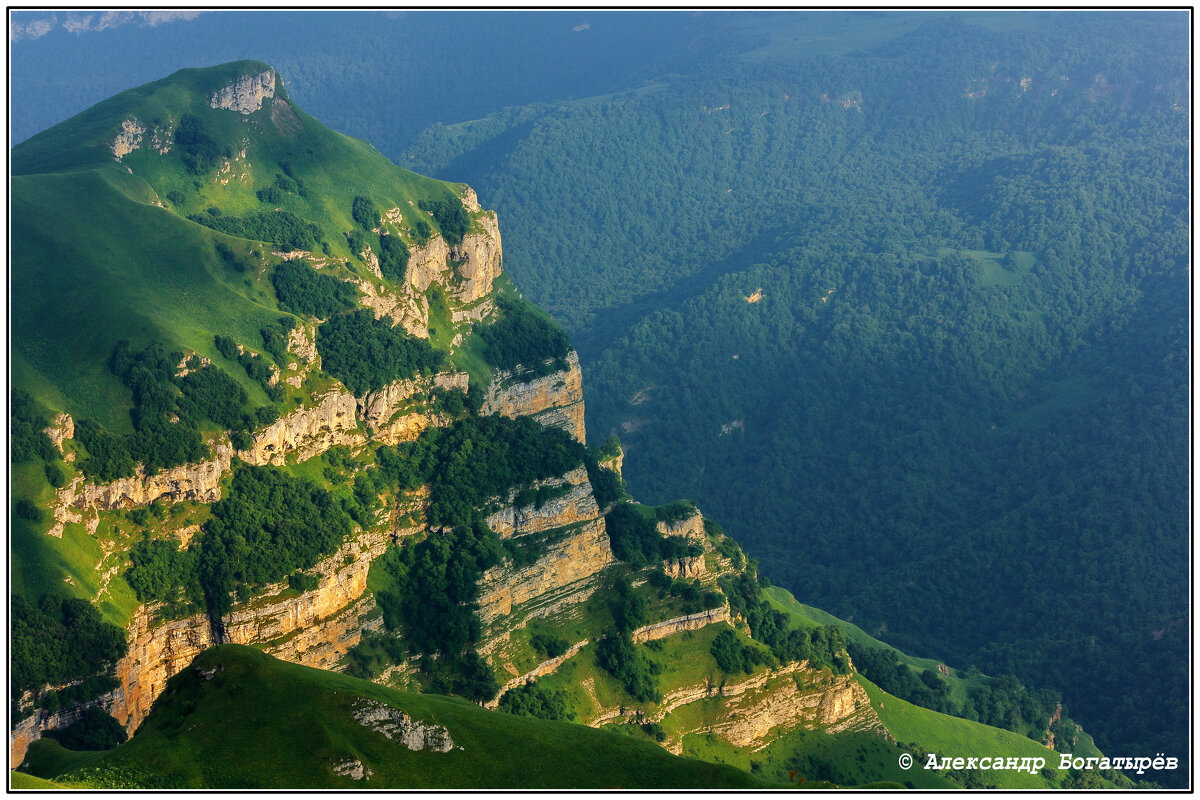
(272, 391)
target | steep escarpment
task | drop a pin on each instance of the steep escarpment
(556, 399)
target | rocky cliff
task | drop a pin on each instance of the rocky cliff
(555, 400)
(246, 94)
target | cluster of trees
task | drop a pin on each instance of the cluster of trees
(282, 227)
(549, 645)
(733, 656)
(532, 700)
(474, 460)
(303, 290)
(367, 353)
(95, 729)
(450, 216)
(374, 653)
(257, 368)
(823, 646)
(693, 594)
(636, 540)
(198, 150)
(434, 586)
(618, 656)
(365, 213)
(393, 257)
(266, 527)
(525, 337)
(167, 412)
(282, 186)
(57, 641)
(27, 430)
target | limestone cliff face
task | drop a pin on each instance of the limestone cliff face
(555, 400)
(689, 622)
(200, 482)
(570, 563)
(578, 505)
(481, 255)
(246, 94)
(757, 710)
(691, 527)
(61, 429)
(314, 628)
(307, 432)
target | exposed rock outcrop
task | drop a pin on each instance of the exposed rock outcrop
(246, 94)
(481, 255)
(577, 505)
(689, 622)
(555, 400)
(61, 429)
(200, 482)
(691, 527)
(570, 562)
(128, 138)
(396, 725)
(307, 432)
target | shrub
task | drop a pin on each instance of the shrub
(549, 645)
(27, 509)
(531, 700)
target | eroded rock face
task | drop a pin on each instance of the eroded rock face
(569, 563)
(307, 432)
(555, 400)
(128, 138)
(398, 726)
(577, 505)
(690, 622)
(200, 482)
(691, 527)
(246, 94)
(482, 255)
(61, 429)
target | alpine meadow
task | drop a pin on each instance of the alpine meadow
(585, 399)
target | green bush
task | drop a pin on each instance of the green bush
(198, 150)
(617, 655)
(28, 439)
(27, 509)
(549, 645)
(58, 641)
(365, 213)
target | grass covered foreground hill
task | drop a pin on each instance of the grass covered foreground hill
(240, 719)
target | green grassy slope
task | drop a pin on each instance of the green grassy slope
(210, 733)
(102, 253)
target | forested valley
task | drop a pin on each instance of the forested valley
(911, 321)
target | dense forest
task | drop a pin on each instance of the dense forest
(911, 321)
